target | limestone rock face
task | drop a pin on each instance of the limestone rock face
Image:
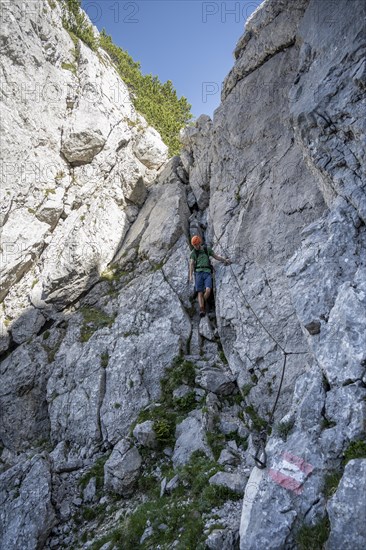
(24, 415)
(27, 515)
(262, 195)
(286, 196)
(348, 527)
(196, 160)
(75, 152)
(97, 309)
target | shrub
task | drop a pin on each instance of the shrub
(72, 68)
(284, 428)
(74, 20)
(156, 101)
(164, 429)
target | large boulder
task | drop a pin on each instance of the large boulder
(190, 437)
(26, 512)
(122, 469)
(80, 147)
(347, 507)
(150, 149)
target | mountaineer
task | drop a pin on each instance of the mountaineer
(200, 265)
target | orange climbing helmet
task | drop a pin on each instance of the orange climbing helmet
(196, 240)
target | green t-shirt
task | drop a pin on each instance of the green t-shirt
(203, 261)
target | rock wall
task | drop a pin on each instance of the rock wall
(76, 163)
(96, 304)
(287, 202)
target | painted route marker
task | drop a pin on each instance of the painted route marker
(291, 472)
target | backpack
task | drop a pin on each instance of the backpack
(207, 254)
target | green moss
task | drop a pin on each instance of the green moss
(108, 275)
(158, 266)
(258, 423)
(181, 372)
(104, 359)
(94, 319)
(34, 282)
(130, 333)
(148, 483)
(60, 175)
(240, 441)
(216, 442)
(52, 350)
(331, 483)
(326, 424)
(313, 537)
(167, 414)
(223, 357)
(88, 514)
(245, 389)
(113, 273)
(235, 399)
(356, 449)
(97, 471)
(182, 512)
(44, 443)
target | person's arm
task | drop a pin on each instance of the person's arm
(191, 269)
(227, 261)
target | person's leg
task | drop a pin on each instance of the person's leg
(200, 286)
(208, 286)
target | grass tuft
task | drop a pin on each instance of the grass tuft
(313, 537)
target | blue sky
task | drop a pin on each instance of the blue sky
(190, 42)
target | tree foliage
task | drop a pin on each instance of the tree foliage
(156, 101)
(74, 20)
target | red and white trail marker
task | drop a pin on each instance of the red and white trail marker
(291, 472)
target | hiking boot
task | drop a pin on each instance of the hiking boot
(202, 312)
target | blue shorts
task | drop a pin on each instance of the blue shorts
(203, 280)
